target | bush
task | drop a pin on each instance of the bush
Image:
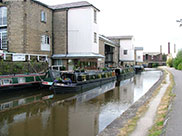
(176, 62)
(180, 66)
(7, 68)
(170, 62)
(154, 65)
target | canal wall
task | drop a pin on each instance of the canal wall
(114, 128)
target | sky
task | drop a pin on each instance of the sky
(151, 22)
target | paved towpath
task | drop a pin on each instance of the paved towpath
(145, 122)
(174, 125)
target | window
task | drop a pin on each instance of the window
(45, 39)
(95, 16)
(125, 52)
(3, 16)
(95, 37)
(45, 43)
(43, 16)
(3, 40)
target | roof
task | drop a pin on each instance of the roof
(38, 2)
(78, 55)
(72, 5)
(107, 40)
(139, 48)
(151, 53)
(125, 37)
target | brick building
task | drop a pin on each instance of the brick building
(110, 50)
(151, 58)
(26, 27)
(67, 33)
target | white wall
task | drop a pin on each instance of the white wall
(126, 45)
(139, 56)
(81, 28)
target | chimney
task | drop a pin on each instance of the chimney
(168, 47)
(174, 48)
(160, 49)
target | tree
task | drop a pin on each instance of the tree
(178, 60)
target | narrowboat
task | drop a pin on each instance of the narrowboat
(138, 69)
(81, 81)
(125, 73)
(50, 77)
(17, 81)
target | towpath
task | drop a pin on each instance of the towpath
(145, 122)
(174, 125)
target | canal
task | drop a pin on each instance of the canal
(36, 112)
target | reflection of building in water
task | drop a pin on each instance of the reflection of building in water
(126, 92)
(72, 118)
(138, 81)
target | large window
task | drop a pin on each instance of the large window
(45, 39)
(3, 40)
(3, 16)
(95, 16)
(43, 16)
(45, 43)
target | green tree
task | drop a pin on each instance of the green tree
(178, 59)
(170, 62)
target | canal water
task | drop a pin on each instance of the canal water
(36, 112)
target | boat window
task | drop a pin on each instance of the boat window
(21, 80)
(70, 76)
(55, 74)
(7, 81)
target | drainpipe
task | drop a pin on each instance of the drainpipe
(52, 37)
(67, 35)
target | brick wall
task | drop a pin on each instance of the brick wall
(60, 32)
(25, 27)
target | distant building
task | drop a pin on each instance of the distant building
(154, 58)
(126, 54)
(110, 50)
(138, 55)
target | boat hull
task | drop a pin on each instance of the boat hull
(83, 86)
(125, 76)
(14, 82)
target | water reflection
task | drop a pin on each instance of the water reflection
(88, 113)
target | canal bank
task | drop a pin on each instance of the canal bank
(77, 114)
(115, 127)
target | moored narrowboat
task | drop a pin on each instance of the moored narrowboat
(81, 81)
(16, 81)
(125, 73)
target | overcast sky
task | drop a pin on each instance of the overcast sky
(151, 22)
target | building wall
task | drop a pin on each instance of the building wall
(15, 26)
(81, 28)
(126, 45)
(59, 31)
(25, 27)
(101, 61)
(116, 55)
(139, 55)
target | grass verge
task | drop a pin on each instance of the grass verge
(132, 123)
(162, 110)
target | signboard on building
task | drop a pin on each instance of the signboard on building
(18, 57)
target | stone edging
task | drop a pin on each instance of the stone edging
(114, 128)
